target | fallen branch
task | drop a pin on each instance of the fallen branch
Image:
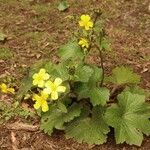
(22, 126)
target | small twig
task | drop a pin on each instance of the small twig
(22, 126)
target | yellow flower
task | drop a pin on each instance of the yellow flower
(5, 89)
(86, 22)
(54, 88)
(84, 43)
(41, 101)
(40, 77)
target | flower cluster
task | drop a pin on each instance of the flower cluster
(5, 89)
(50, 90)
(86, 23)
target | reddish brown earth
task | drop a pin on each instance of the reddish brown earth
(35, 29)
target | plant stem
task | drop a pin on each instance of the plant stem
(101, 35)
(103, 72)
(97, 15)
(102, 65)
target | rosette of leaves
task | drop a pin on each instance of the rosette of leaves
(83, 112)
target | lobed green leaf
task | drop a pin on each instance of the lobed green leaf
(123, 75)
(71, 51)
(90, 130)
(55, 118)
(83, 73)
(129, 118)
(98, 96)
(63, 5)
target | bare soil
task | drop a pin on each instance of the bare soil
(35, 29)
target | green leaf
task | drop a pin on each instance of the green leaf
(5, 53)
(55, 118)
(123, 75)
(63, 5)
(105, 45)
(25, 86)
(82, 89)
(98, 26)
(71, 50)
(129, 118)
(96, 76)
(90, 130)
(60, 71)
(62, 107)
(137, 90)
(83, 73)
(49, 67)
(2, 36)
(99, 96)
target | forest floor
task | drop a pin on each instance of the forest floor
(36, 28)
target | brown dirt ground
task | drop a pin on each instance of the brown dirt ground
(35, 29)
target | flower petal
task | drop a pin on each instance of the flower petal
(46, 76)
(3, 88)
(42, 71)
(11, 90)
(49, 84)
(54, 95)
(61, 89)
(37, 105)
(35, 97)
(47, 91)
(81, 23)
(34, 82)
(58, 81)
(80, 42)
(87, 27)
(41, 83)
(90, 24)
(35, 76)
(45, 106)
(87, 18)
(44, 95)
(83, 17)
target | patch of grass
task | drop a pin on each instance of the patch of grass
(34, 35)
(5, 53)
(15, 4)
(41, 8)
(35, 38)
(10, 111)
(37, 42)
